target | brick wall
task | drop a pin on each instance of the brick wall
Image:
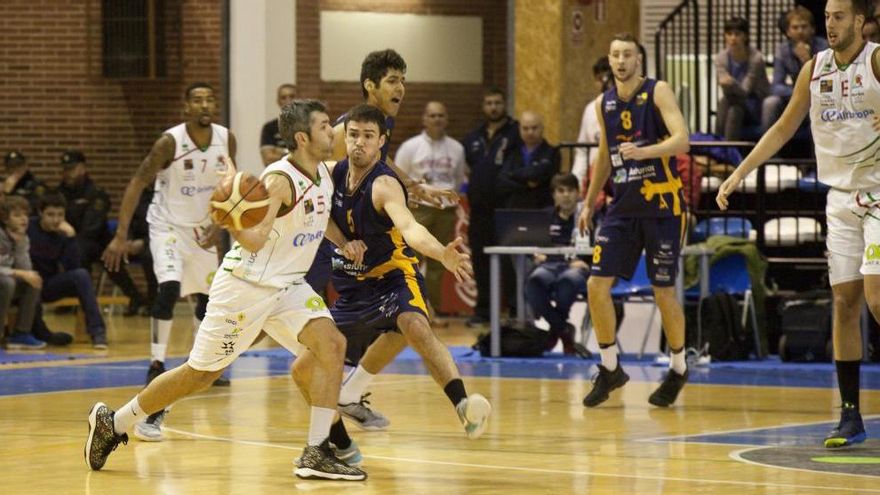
(53, 96)
(462, 100)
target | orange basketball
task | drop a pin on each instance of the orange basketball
(239, 202)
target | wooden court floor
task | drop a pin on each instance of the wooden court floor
(243, 439)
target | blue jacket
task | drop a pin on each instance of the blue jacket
(51, 251)
(485, 158)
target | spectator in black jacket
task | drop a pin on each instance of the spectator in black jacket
(55, 256)
(524, 181)
(87, 209)
(485, 149)
(19, 180)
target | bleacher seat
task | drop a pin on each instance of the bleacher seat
(776, 178)
(791, 231)
(732, 226)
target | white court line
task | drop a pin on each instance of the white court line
(540, 470)
(737, 456)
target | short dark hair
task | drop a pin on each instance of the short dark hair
(736, 23)
(601, 65)
(11, 204)
(296, 116)
(377, 64)
(194, 86)
(51, 200)
(366, 114)
(625, 36)
(285, 85)
(863, 7)
(493, 91)
(564, 179)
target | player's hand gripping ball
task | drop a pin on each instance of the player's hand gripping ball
(239, 201)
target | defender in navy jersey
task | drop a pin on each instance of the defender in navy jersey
(385, 293)
(383, 74)
(642, 130)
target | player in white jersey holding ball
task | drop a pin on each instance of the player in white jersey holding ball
(183, 163)
(261, 287)
(840, 88)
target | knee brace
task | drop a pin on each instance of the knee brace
(201, 306)
(166, 298)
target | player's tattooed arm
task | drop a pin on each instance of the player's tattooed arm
(160, 155)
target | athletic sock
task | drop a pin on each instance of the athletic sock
(160, 330)
(319, 424)
(677, 361)
(128, 415)
(339, 436)
(354, 385)
(455, 391)
(609, 356)
(848, 381)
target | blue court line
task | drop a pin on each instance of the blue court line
(796, 435)
(275, 362)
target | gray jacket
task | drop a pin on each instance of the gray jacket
(13, 255)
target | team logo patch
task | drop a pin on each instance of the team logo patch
(826, 86)
(315, 303)
(187, 164)
(642, 98)
(309, 206)
(610, 105)
(857, 82)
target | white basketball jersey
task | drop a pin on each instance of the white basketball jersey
(843, 102)
(183, 188)
(295, 237)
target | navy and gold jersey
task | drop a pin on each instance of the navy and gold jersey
(354, 213)
(642, 188)
(389, 127)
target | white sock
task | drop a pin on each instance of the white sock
(161, 331)
(677, 361)
(319, 425)
(354, 385)
(609, 357)
(128, 415)
(196, 324)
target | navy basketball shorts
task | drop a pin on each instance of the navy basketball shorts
(369, 308)
(620, 241)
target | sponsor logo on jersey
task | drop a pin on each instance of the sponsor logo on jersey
(642, 98)
(834, 115)
(857, 81)
(194, 190)
(304, 238)
(872, 254)
(187, 164)
(309, 206)
(826, 86)
(610, 105)
(315, 303)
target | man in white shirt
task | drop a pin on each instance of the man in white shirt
(437, 159)
(590, 129)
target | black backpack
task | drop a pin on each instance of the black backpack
(722, 328)
(516, 342)
(806, 327)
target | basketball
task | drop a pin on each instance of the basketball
(239, 202)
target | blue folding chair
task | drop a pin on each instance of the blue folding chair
(730, 275)
(637, 289)
(732, 226)
(810, 183)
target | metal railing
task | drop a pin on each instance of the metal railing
(689, 37)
